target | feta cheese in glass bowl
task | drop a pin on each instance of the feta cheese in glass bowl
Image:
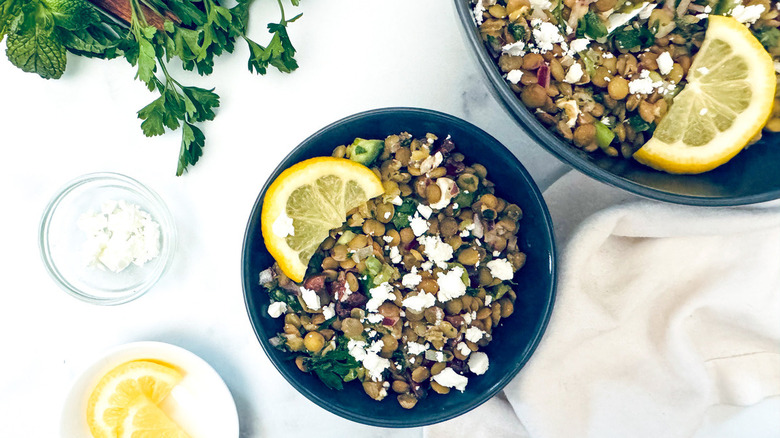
(106, 238)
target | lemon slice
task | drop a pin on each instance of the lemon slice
(145, 419)
(308, 200)
(728, 99)
(120, 387)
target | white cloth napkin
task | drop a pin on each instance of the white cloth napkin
(666, 324)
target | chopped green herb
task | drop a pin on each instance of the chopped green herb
(769, 37)
(628, 37)
(518, 31)
(591, 25)
(639, 125)
(334, 367)
(403, 211)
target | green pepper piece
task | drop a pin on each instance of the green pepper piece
(604, 135)
(365, 151)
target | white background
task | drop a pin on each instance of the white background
(354, 55)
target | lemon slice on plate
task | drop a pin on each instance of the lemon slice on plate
(116, 391)
(726, 102)
(308, 200)
(145, 419)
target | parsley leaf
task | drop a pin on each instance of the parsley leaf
(403, 211)
(769, 37)
(631, 38)
(591, 25)
(334, 367)
(41, 32)
(192, 143)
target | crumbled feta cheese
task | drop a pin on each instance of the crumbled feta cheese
(539, 6)
(329, 311)
(546, 34)
(395, 255)
(419, 302)
(448, 190)
(426, 266)
(283, 226)
(412, 279)
(371, 361)
(574, 74)
(665, 63)
(418, 225)
(467, 318)
(501, 269)
(119, 235)
(374, 318)
(379, 295)
(479, 9)
(465, 233)
(437, 251)
(708, 9)
(277, 309)
(387, 239)
(451, 284)
(415, 348)
(515, 49)
(436, 356)
(644, 84)
(425, 211)
(478, 363)
(311, 298)
(747, 14)
(488, 300)
(463, 348)
(514, 76)
(474, 334)
(579, 45)
(449, 378)
(376, 346)
(397, 201)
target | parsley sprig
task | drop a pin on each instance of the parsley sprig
(41, 32)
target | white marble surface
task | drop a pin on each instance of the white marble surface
(354, 55)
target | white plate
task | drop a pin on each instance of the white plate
(201, 403)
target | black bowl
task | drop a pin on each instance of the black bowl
(514, 340)
(749, 177)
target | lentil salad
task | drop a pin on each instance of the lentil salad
(602, 74)
(402, 297)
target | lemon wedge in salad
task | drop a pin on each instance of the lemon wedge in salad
(726, 102)
(308, 200)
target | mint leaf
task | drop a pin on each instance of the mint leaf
(34, 48)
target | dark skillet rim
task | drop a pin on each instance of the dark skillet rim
(565, 152)
(478, 399)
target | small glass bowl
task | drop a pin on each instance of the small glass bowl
(61, 240)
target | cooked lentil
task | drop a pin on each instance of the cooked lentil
(400, 305)
(613, 65)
